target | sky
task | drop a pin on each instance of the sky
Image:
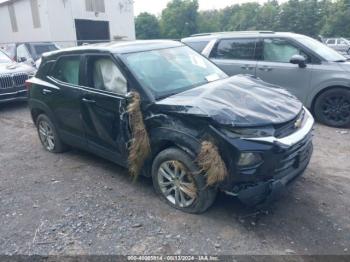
(156, 6)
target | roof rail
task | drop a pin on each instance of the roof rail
(233, 32)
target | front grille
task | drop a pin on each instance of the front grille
(295, 155)
(13, 80)
(19, 79)
(6, 81)
(290, 127)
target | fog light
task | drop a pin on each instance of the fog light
(249, 159)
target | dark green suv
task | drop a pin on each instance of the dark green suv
(162, 110)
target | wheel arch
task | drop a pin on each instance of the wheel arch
(163, 138)
(37, 108)
(322, 91)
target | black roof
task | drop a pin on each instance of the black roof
(122, 47)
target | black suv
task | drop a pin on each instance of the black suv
(162, 110)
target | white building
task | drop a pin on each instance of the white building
(66, 21)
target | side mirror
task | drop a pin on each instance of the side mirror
(22, 59)
(298, 60)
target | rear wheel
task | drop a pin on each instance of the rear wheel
(48, 135)
(332, 107)
(180, 183)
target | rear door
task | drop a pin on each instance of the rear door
(104, 105)
(275, 67)
(64, 98)
(235, 56)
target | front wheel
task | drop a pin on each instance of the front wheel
(332, 107)
(179, 182)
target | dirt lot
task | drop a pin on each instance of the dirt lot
(76, 203)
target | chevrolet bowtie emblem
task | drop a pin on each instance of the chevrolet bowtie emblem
(298, 123)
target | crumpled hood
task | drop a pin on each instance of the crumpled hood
(10, 68)
(241, 101)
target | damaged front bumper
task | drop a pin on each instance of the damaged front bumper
(294, 155)
(267, 191)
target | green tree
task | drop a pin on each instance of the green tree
(179, 19)
(337, 23)
(268, 16)
(147, 26)
(209, 21)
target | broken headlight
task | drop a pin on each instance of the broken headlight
(249, 159)
(248, 132)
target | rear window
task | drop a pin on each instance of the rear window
(198, 46)
(40, 49)
(238, 49)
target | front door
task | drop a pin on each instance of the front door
(235, 56)
(275, 67)
(104, 105)
(64, 99)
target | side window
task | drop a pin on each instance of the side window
(105, 75)
(239, 49)
(280, 50)
(331, 41)
(22, 51)
(198, 46)
(67, 70)
(341, 42)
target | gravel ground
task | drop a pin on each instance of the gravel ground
(76, 203)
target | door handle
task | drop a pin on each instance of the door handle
(265, 68)
(46, 92)
(88, 101)
(247, 67)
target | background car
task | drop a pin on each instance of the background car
(341, 45)
(12, 79)
(318, 75)
(30, 53)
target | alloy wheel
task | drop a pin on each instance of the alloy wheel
(337, 109)
(176, 184)
(46, 135)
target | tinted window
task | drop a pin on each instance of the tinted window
(239, 49)
(331, 42)
(40, 49)
(67, 70)
(104, 75)
(280, 50)
(198, 46)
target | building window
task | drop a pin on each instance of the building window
(95, 6)
(35, 13)
(13, 19)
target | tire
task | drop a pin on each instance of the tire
(332, 107)
(348, 52)
(48, 135)
(204, 196)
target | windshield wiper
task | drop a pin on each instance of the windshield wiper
(340, 61)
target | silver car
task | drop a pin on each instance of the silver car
(318, 75)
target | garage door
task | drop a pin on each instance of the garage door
(91, 31)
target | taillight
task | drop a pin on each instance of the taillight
(28, 84)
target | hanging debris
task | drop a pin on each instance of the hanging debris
(211, 163)
(139, 148)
